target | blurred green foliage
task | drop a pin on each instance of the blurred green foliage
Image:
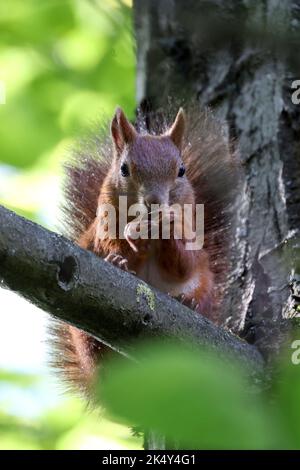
(64, 64)
(201, 401)
(67, 425)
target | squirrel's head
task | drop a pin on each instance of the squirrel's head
(149, 168)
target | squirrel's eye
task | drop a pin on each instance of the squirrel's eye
(181, 171)
(124, 170)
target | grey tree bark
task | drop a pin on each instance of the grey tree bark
(78, 287)
(236, 57)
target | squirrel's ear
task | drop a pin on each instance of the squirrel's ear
(177, 129)
(122, 131)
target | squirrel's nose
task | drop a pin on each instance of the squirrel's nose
(152, 199)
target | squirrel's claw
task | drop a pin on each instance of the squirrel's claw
(127, 234)
(119, 261)
(187, 301)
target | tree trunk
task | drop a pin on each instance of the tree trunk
(225, 55)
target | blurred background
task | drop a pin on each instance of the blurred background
(63, 65)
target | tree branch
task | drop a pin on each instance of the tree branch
(78, 287)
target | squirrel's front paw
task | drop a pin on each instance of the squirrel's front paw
(119, 261)
(139, 244)
(187, 301)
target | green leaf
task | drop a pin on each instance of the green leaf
(287, 394)
(192, 397)
(17, 378)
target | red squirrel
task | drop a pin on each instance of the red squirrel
(157, 161)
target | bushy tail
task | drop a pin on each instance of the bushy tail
(74, 353)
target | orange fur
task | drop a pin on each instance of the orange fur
(153, 159)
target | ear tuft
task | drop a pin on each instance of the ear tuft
(176, 131)
(122, 131)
